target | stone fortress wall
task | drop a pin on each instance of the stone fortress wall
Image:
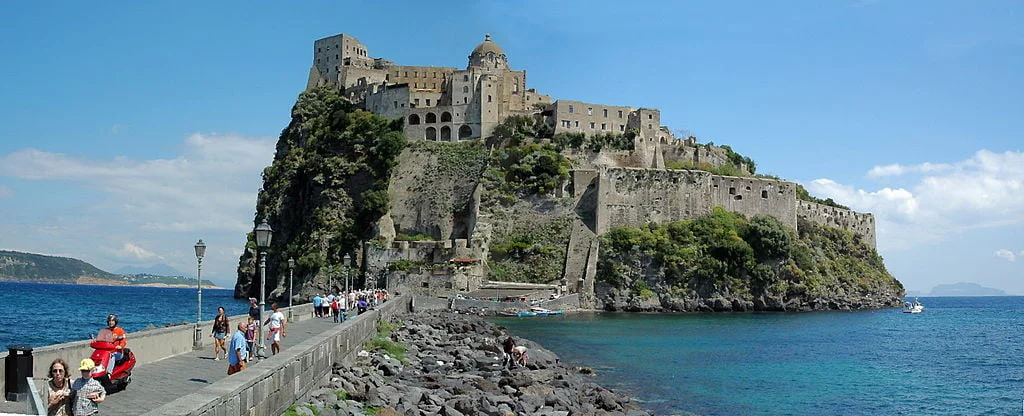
(626, 188)
(858, 223)
(630, 197)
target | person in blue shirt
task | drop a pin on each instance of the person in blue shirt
(239, 350)
(316, 305)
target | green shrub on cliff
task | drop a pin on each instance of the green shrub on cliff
(328, 183)
(725, 253)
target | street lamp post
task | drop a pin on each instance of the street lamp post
(345, 262)
(263, 235)
(200, 252)
(291, 273)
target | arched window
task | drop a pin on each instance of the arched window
(446, 117)
(465, 89)
(465, 78)
(414, 119)
(465, 131)
(446, 133)
(431, 134)
(431, 118)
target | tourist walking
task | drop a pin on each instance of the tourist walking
(239, 353)
(221, 326)
(255, 315)
(342, 306)
(59, 392)
(278, 328)
(87, 392)
(250, 338)
(316, 306)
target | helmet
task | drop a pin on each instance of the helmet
(112, 317)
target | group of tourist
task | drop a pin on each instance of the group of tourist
(83, 395)
(337, 306)
(242, 347)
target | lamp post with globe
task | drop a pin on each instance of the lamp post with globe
(263, 236)
(200, 252)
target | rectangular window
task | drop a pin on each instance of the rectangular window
(606, 113)
(603, 126)
(591, 124)
(620, 113)
(570, 109)
(622, 127)
(577, 124)
(396, 104)
(428, 102)
(435, 75)
(406, 73)
(650, 116)
(590, 111)
(434, 85)
(416, 101)
(565, 123)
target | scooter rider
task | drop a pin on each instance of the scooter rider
(114, 335)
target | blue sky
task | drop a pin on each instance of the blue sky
(132, 129)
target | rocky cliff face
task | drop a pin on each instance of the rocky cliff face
(727, 263)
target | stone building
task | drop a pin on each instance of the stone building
(437, 103)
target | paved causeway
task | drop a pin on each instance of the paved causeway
(158, 383)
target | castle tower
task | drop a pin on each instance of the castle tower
(488, 55)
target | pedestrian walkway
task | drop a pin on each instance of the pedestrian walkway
(161, 382)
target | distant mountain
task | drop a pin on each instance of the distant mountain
(154, 270)
(27, 267)
(961, 289)
(38, 268)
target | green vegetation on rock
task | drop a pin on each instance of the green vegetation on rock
(725, 255)
(327, 185)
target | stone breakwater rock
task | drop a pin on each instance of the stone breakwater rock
(664, 300)
(453, 367)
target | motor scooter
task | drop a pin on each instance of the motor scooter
(117, 380)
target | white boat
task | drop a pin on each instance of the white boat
(915, 307)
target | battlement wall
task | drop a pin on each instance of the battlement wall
(861, 224)
(629, 197)
(756, 196)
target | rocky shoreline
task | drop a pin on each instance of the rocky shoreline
(453, 366)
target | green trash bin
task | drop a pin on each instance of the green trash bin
(18, 366)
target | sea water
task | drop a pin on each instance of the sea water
(39, 314)
(961, 356)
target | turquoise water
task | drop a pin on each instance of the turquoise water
(45, 314)
(961, 356)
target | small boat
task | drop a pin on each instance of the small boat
(538, 311)
(535, 311)
(915, 307)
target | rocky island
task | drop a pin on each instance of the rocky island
(442, 181)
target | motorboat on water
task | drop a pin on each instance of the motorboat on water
(915, 307)
(534, 311)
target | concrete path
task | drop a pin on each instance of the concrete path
(161, 382)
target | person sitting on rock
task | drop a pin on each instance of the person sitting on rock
(519, 355)
(506, 347)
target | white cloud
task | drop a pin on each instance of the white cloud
(135, 252)
(985, 190)
(208, 186)
(6, 192)
(1005, 254)
(898, 169)
(160, 207)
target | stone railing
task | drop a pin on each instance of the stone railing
(149, 345)
(284, 378)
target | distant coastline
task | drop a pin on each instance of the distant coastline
(92, 281)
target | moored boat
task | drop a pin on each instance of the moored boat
(915, 307)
